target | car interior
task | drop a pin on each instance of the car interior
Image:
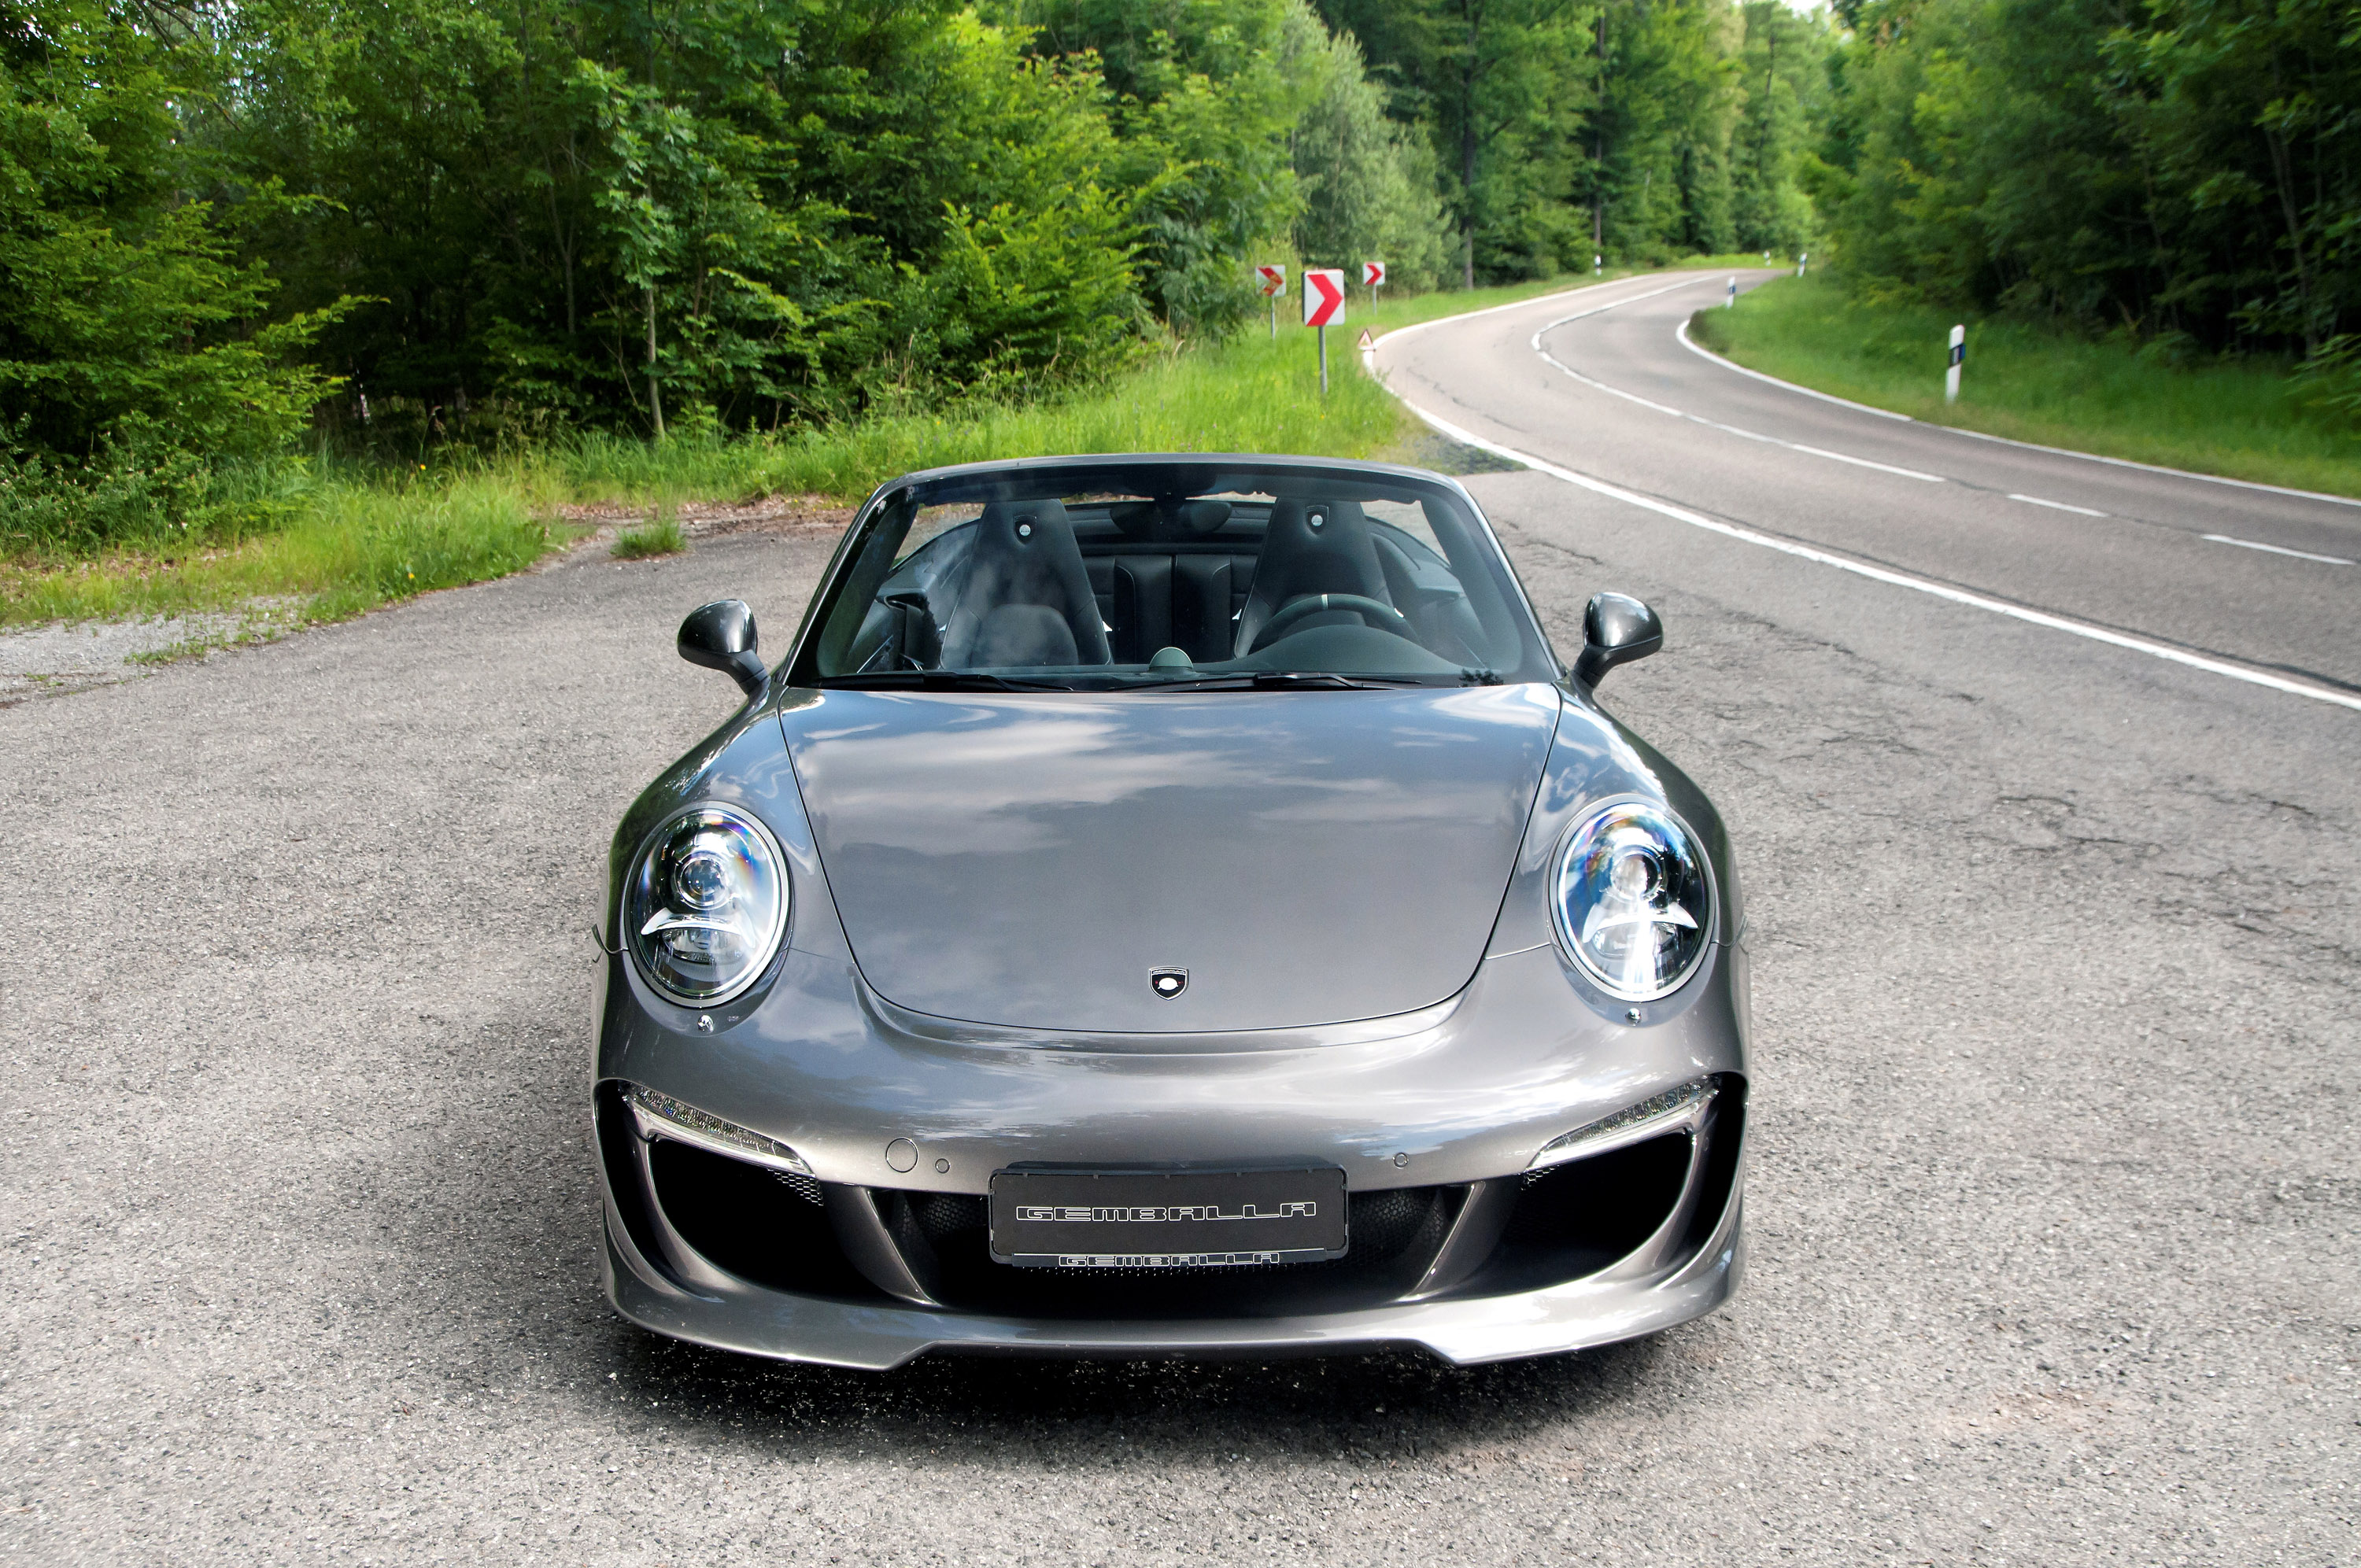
(1184, 585)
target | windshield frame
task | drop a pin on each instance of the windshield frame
(1183, 473)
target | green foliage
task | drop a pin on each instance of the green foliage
(131, 337)
(2184, 168)
(1368, 183)
(1199, 102)
(1017, 300)
(2243, 418)
(1636, 129)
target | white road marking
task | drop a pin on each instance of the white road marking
(1682, 332)
(2055, 506)
(1595, 310)
(2278, 550)
(1898, 579)
(1518, 305)
(1701, 419)
(1860, 462)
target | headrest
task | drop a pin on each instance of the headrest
(1168, 518)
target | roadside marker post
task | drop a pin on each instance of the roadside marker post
(1373, 273)
(1800, 259)
(1597, 265)
(1272, 281)
(1323, 307)
(1733, 295)
(1959, 357)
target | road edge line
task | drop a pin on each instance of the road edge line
(1404, 330)
(1682, 333)
(1887, 575)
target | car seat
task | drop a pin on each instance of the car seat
(1311, 547)
(1025, 598)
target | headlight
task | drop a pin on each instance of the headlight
(707, 905)
(1633, 905)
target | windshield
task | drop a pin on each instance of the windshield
(1172, 574)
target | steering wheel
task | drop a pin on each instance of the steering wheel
(1375, 613)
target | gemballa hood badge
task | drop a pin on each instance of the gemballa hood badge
(1168, 983)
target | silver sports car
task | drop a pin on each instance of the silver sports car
(1171, 904)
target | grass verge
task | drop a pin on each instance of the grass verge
(350, 539)
(2244, 420)
(344, 547)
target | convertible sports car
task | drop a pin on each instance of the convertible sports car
(1171, 904)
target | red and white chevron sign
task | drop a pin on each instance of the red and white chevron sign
(1323, 296)
(1272, 280)
(1373, 273)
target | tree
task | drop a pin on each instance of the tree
(1367, 183)
(127, 322)
(2182, 170)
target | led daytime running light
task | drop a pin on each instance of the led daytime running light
(660, 1114)
(1629, 1126)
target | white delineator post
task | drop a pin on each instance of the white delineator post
(1597, 265)
(1323, 307)
(1732, 303)
(1272, 281)
(1806, 256)
(1959, 357)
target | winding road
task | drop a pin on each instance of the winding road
(1605, 382)
(2049, 823)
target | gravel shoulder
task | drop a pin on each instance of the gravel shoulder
(2053, 1191)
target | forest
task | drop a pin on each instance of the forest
(230, 232)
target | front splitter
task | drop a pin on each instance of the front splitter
(1462, 1331)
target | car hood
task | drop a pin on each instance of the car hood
(1306, 856)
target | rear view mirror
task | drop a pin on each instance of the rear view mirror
(720, 636)
(1616, 630)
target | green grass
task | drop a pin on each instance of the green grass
(344, 547)
(2246, 420)
(660, 537)
(345, 539)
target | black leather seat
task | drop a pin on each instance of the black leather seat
(1311, 547)
(1026, 598)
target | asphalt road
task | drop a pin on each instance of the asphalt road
(1599, 381)
(2053, 1188)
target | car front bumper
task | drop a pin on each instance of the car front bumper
(868, 1249)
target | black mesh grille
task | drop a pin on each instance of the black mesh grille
(803, 1187)
(943, 1216)
(757, 1223)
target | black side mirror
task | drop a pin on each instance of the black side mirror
(720, 636)
(1616, 630)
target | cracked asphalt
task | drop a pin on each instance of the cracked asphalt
(2052, 1198)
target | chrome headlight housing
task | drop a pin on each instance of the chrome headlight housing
(707, 905)
(1633, 901)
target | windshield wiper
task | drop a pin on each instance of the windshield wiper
(1288, 680)
(940, 681)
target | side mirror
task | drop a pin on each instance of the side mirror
(720, 636)
(1616, 630)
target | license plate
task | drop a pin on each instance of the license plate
(1167, 1218)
